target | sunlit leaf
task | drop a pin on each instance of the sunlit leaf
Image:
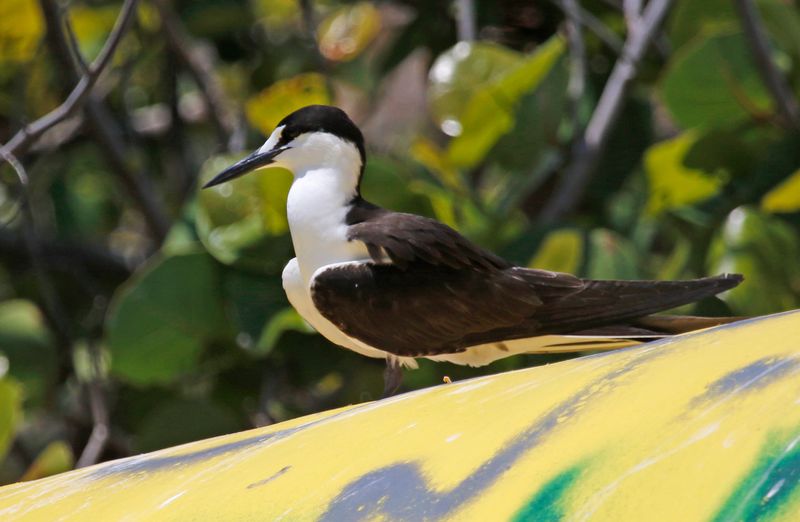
(785, 197)
(243, 222)
(21, 28)
(348, 30)
(92, 25)
(713, 81)
(10, 411)
(433, 158)
(277, 14)
(458, 73)
(561, 251)
(55, 458)
(491, 111)
(283, 321)
(265, 109)
(765, 250)
(162, 318)
(671, 183)
(27, 344)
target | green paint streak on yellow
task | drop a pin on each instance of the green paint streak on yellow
(549, 502)
(770, 489)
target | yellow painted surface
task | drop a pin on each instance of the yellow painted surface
(701, 427)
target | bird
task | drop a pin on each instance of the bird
(400, 286)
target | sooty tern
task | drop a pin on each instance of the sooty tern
(400, 286)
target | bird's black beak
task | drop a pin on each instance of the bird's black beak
(250, 163)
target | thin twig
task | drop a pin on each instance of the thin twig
(632, 10)
(53, 308)
(99, 437)
(196, 61)
(105, 132)
(310, 25)
(573, 182)
(22, 139)
(577, 63)
(596, 26)
(465, 20)
(63, 256)
(753, 26)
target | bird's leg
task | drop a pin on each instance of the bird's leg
(392, 376)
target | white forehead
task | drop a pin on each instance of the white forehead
(273, 140)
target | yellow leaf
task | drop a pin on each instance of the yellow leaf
(21, 28)
(55, 458)
(276, 15)
(672, 184)
(265, 109)
(429, 155)
(785, 197)
(561, 251)
(347, 31)
(91, 26)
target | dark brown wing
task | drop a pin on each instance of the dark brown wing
(443, 294)
(427, 309)
(407, 238)
(619, 304)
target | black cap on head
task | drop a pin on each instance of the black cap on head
(322, 118)
(313, 118)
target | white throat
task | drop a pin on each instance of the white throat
(326, 174)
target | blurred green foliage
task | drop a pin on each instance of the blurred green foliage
(166, 342)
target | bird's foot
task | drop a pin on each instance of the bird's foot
(392, 377)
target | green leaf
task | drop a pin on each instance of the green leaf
(10, 411)
(252, 300)
(765, 250)
(243, 222)
(492, 110)
(286, 320)
(457, 73)
(561, 251)
(184, 420)
(28, 345)
(713, 81)
(537, 119)
(162, 318)
(611, 256)
(691, 18)
(782, 21)
(671, 183)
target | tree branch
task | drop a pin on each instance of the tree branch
(200, 67)
(99, 437)
(577, 63)
(27, 135)
(100, 122)
(465, 20)
(573, 182)
(785, 102)
(51, 303)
